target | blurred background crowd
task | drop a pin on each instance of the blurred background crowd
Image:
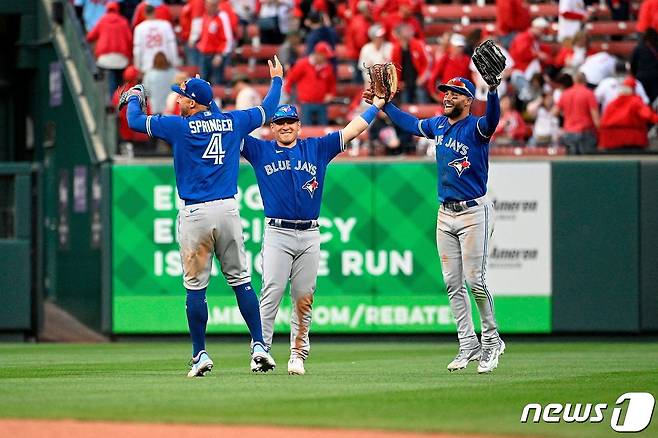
(582, 76)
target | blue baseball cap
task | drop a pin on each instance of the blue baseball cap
(285, 112)
(196, 89)
(459, 85)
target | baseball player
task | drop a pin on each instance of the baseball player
(466, 217)
(290, 174)
(206, 146)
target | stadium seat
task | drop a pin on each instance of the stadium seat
(337, 112)
(423, 111)
(345, 72)
(258, 72)
(546, 10)
(456, 12)
(610, 28)
(521, 151)
(262, 52)
(348, 90)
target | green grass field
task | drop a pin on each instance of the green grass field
(402, 386)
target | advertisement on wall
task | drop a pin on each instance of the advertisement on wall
(520, 254)
(379, 270)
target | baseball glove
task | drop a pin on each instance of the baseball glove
(490, 62)
(137, 90)
(383, 81)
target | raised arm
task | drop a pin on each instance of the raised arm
(403, 120)
(135, 116)
(487, 124)
(362, 121)
(271, 100)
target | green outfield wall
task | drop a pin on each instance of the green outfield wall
(379, 270)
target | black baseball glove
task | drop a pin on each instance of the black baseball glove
(490, 62)
(137, 90)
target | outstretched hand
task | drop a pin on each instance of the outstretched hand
(276, 69)
(368, 96)
(378, 102)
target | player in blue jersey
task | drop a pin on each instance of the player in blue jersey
(466, 216)
(206, 146)
(290, 172)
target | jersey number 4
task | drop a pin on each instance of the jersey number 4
(214, 149)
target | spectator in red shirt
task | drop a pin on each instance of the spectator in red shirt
(512, 16)
(315, 83)
(581, 117)
(624, 122)
(162, 12)
(526, 48)
(410, 58)
(190, 21)
(648, 16)
(511, 129)
(355, 36)
(404, 15)
(451, 64)
(214, 44)
(114, 45)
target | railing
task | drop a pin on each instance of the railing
(87, 84)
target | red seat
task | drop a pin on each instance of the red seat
(337, 112)
(456, 12)
(520, 151)
(423, 111)
(341, 52)
(345, 72)
(190, 70)
(546, 10)
(348, 90)
(258, 72)
(264, 51)
(610, 28)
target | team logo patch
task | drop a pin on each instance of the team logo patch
(311, 185)
(460, 165)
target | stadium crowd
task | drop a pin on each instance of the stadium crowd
(584, 78)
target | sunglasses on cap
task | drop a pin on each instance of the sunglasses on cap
(281, 122)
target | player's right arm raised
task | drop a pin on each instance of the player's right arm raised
(362, 121)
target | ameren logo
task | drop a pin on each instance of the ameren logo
(638, 412)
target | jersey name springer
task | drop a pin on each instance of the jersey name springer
(210, 126)
(274, 167)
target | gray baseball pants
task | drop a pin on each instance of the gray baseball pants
(289, 255)
(212, 228)
(462, 239)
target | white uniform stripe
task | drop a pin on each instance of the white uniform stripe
(420, 128)
(148, 126)
(262, 112)
(477, 125)
(342, 141)
(485, 255)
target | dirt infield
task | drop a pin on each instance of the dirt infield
(82, 429)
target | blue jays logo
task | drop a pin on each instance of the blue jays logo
(311, 185)
(460, 165)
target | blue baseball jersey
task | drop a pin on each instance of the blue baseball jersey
(462, 157)
(291, 180)
(206, 149)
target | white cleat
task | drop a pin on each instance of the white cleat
(201, 365)
(261, 361)
(489, 359)
(296, 366)
(463, 358)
